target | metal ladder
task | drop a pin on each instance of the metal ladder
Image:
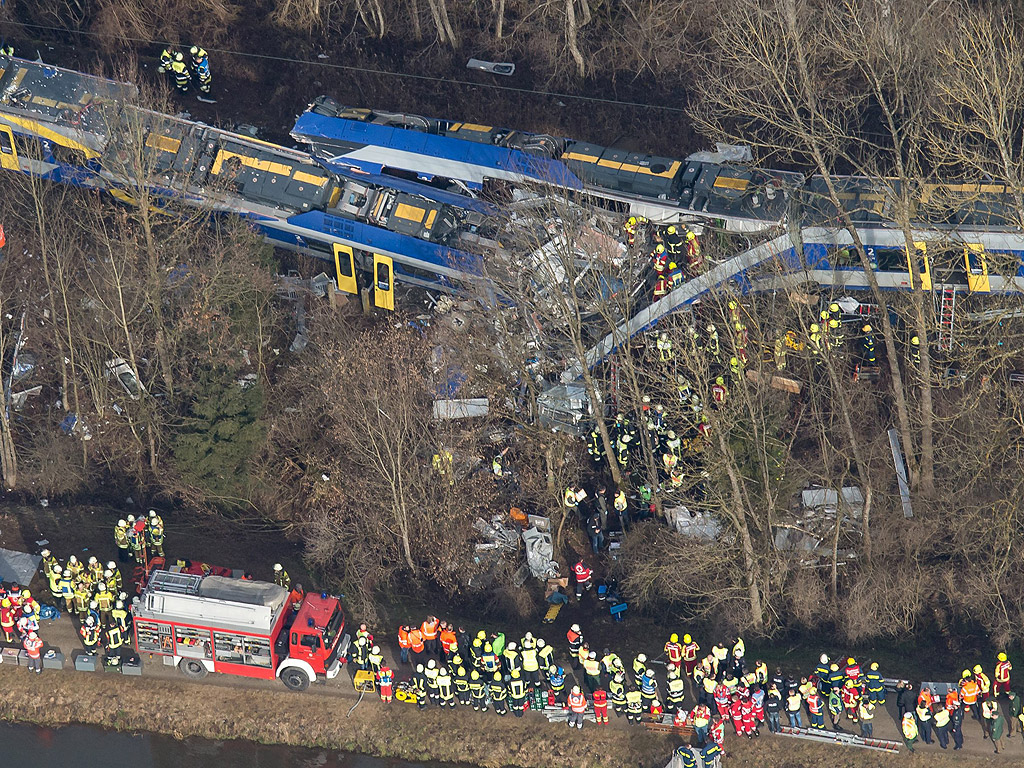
(845, 739)
(947, 315)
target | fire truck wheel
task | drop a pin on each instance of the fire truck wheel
(295, 679)
(193, 669)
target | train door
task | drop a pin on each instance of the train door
(383, 282)
(345, 266)
(8, 152)
(917, 265)
(977, 268)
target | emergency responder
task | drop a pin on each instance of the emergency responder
(166, 60)
(90, 635)
(634, 706)
(592, 671)
(694, 259)
(595, 446)
(419, 682)
(530, 662)
(517, 693)
(113, 576)
(121, 540)
(431, 628)
(498, 693)
(673, 240)
(49, 562)
(67, 591)
(375, 660)
(477, 691)
(445, 690)
(386, 679)
(33, 646)
(545, 654)
(155, 535)
(815, 343)
(675, 694)
(868, 341)
(136, 538)
(360, 653)
(664, 345)
(583, 580)
(983, 681)
(909, 730)
(114, 639)
(461, 682)
(1001, 676)
(7, 619)
(201, 68)
(81, 600)
(281, 577)
(95, 568)
(56, 574)
(915, 349)
(874, 685)
(119, 616)
(104, 602)
(940, 725)
(182, 80)
(617, 691)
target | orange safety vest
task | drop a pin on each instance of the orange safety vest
(448, 640)
(577, 703)
(429, 629)
(969, 691)
(416, 641)
(403, 638)
(814, 704)
(952, 698)
(1003, 672)
(3, 237)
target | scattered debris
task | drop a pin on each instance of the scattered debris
(445, 410)
(539, 553)
(494, 67)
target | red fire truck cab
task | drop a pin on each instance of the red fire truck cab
(204, 624)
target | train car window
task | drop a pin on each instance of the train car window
(887, 259)
(5, 143)
(383, 276)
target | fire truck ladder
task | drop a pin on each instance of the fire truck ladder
(846, 739)
(947, 316)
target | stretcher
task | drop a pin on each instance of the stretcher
(552, 613)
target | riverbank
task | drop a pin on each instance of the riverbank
(220, 710)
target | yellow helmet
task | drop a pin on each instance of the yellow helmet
(675, 639)
(874, 666)
(967, 673)
(631, 221)
(977, 669)
(850, 660)
(687, 639)
(866, 329)
(1002, 657)
(659, 248)
(690, 236)
(672, 229)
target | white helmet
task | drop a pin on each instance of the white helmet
(33, 635)
(511, 647)
(152, 513)
(649, 672)
(824, 658)
(277, 567)
(431, 664)
(593, 655)
(93, 561)
(101, 587)
(45, 553)
(642, 658)
(529, 635)
(108, 574)
(111, 565)
(575, 627)
(376, 649)
(540, 642)
(419, 667)
(119, 605)
(131, 519)
(575, 689)
(58, 569)
(122, 523)
(72, 559)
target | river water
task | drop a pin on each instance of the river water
(88, 747)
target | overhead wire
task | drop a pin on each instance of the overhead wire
(369, 70)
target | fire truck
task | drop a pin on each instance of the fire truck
(204, 624)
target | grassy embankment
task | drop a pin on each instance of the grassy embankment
(182, 709)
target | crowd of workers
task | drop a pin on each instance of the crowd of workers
(195, 69)
(707, 692)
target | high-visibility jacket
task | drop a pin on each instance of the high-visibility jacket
(575, 640)
(984, 682)
(866, 710)
(120, 617)
(512, 660)
(55, 584)
(81, 597)
(546, 656)
(909, 729)
(121, 537)
(67, 590)
(7, 618)
(592, 667)
(429, 629)
(924, 714)
(403, 638)
(90, 635)
(530, 661)
(701, 715)
(634, 701)
(676, 690)
(416, 641)
(448, 640)
(578, 703)
(874, 682)
(461, 680)
(33, 647)
(674, 651)
(690, 651)
(3, 237)
(793, 702)
(477, 688)
(1003, 672)
(941, 718)
(969, 691)
(517, 688)
(444, 686)
(115, 639)
(814, 704)
(105, 600)
(497, 690)
(582, 572)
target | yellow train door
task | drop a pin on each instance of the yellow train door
(345, 268)
(383, 282)
(8, 152)
(977, 268)
(917, 265)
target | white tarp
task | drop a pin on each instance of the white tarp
(539, 552)
(18, 567)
